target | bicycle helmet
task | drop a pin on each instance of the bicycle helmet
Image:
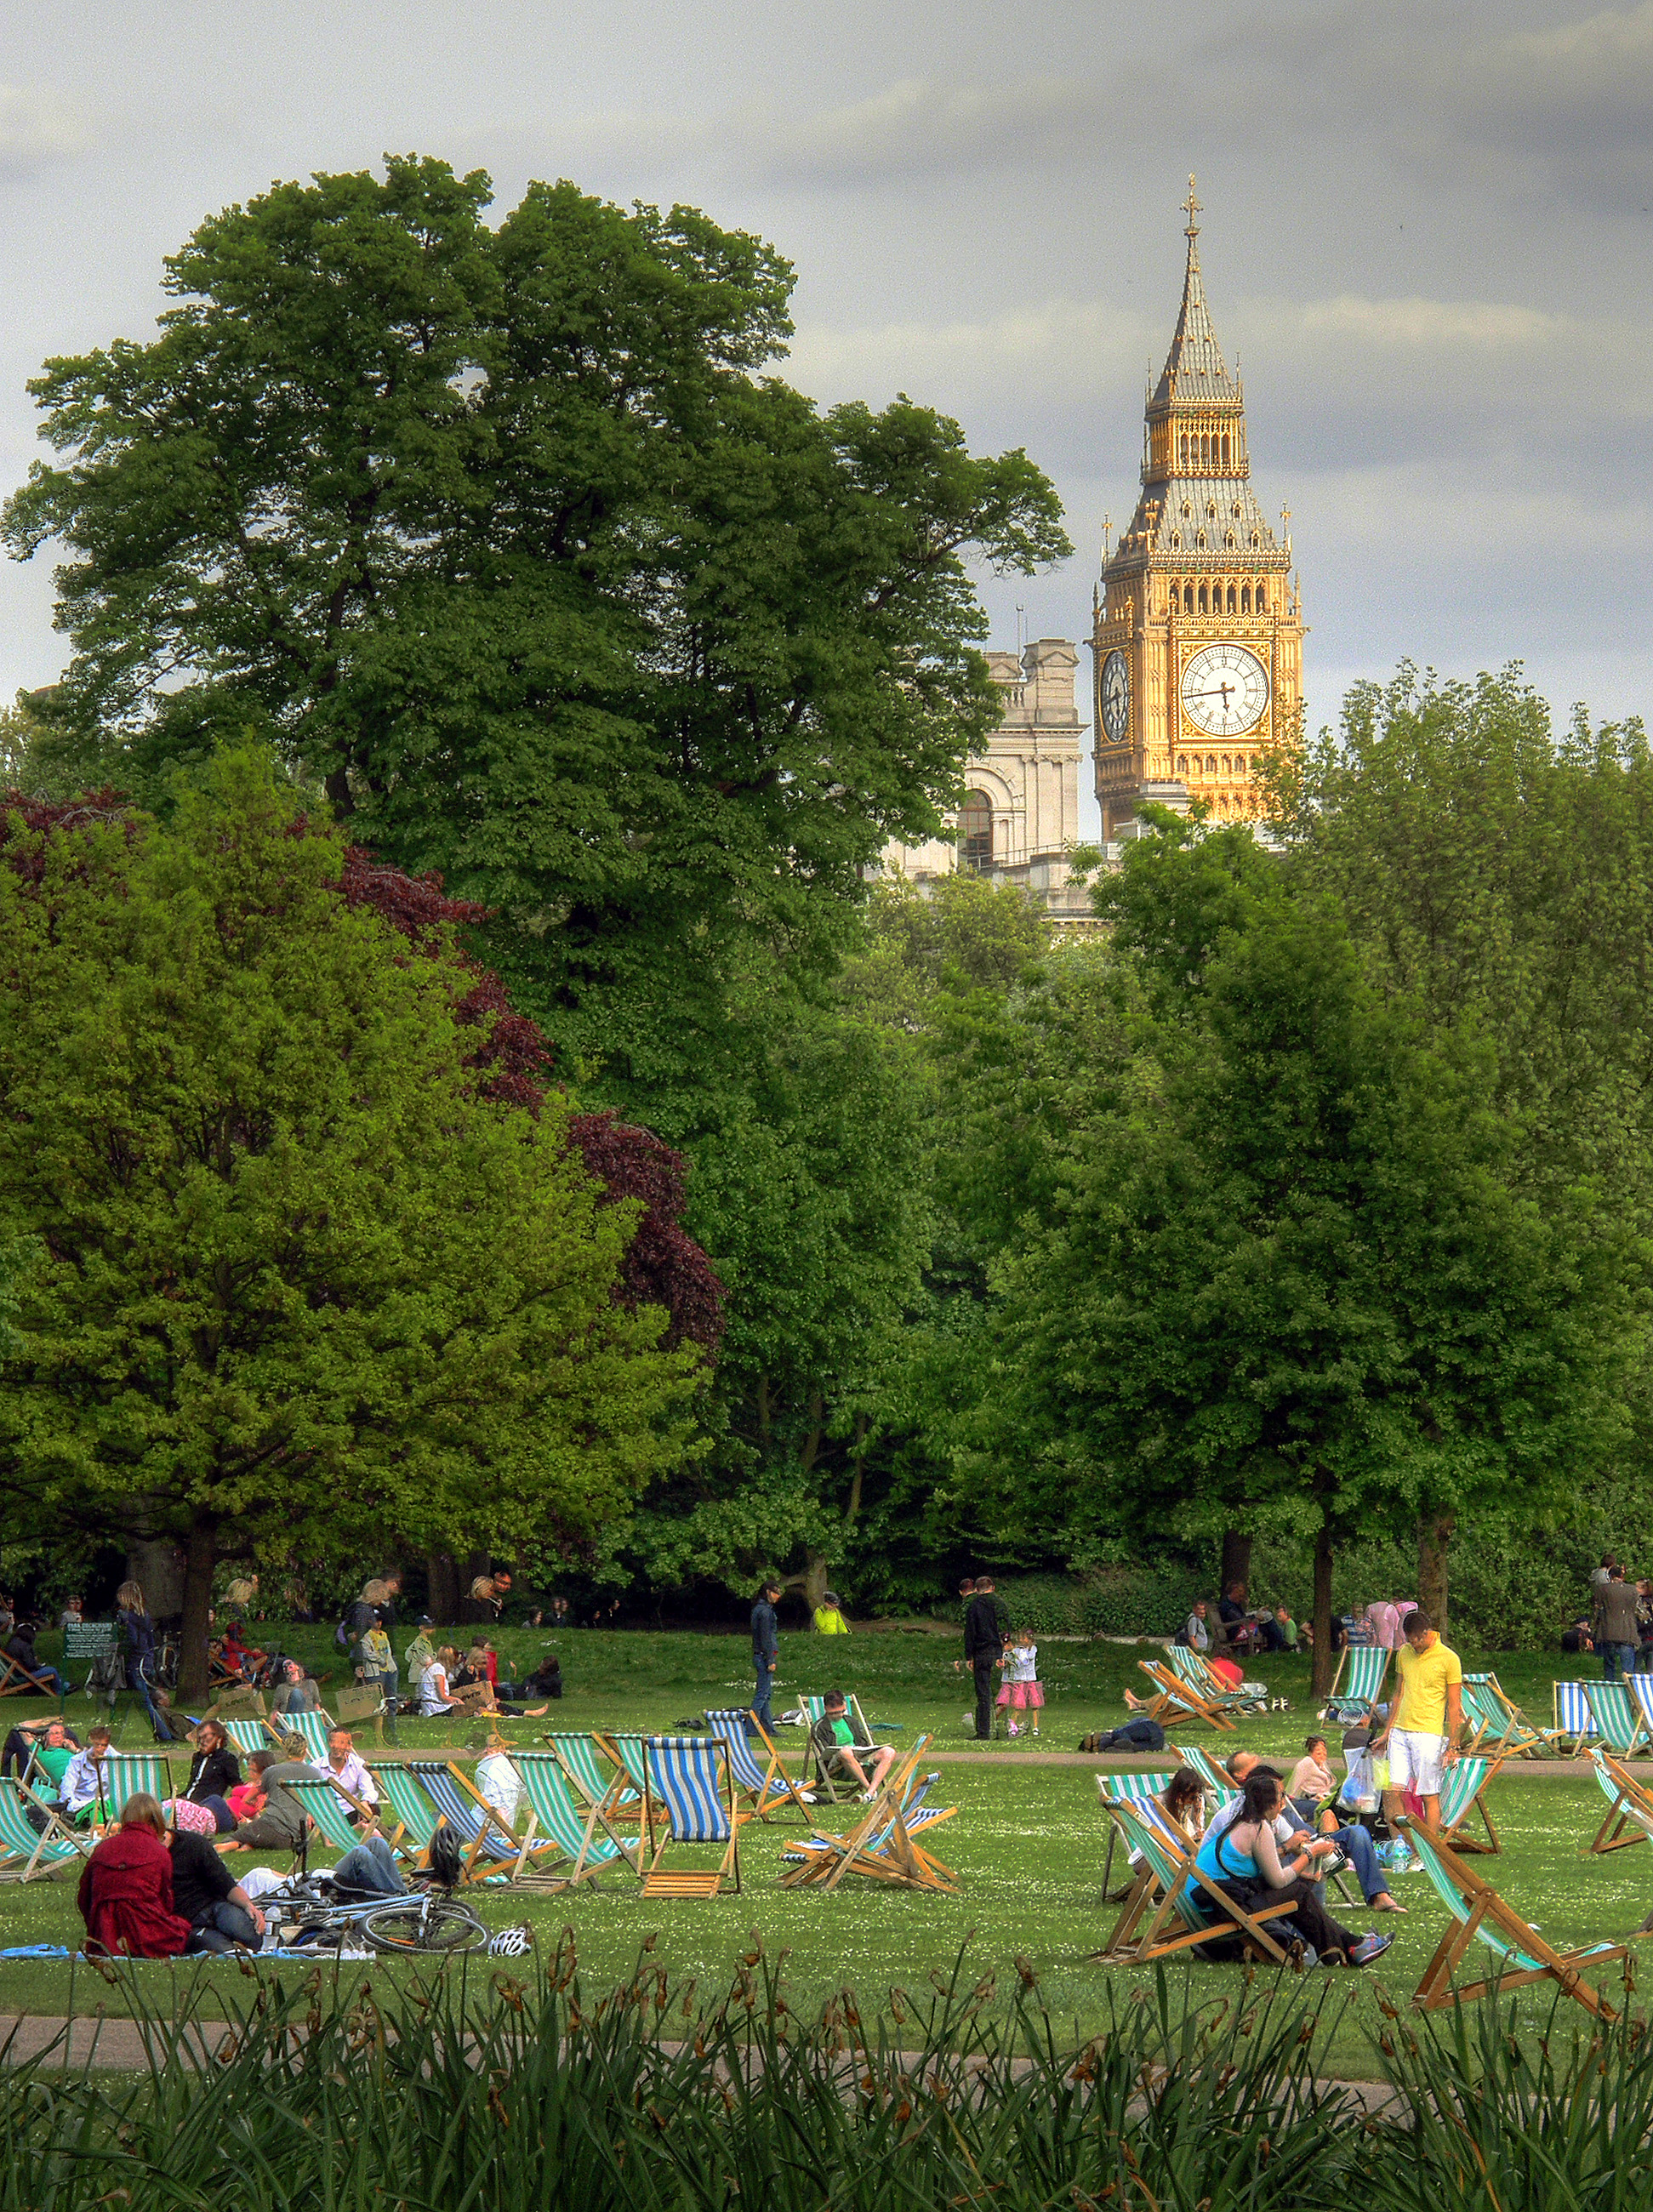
(511, 1943)
(446, 1859)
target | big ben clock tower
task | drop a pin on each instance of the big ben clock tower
(1197, 633)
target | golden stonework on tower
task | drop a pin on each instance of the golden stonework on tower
(1198, 635)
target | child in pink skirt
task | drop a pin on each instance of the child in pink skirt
(1020, 1690)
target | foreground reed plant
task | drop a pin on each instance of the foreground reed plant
(481, 2090)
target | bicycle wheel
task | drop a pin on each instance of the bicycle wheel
(424, 1924)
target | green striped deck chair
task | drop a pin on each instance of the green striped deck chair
(1174, 1907)
(1194, 1669)
(582, 1833)
(1222, 1785)
(690, 1778)
(592, 1764)
(1126, 1789)
(126, 1774)
(488, 1839)
(1628, 1817)
(313, 1727)
(1462, 1786)
(412, 1817)
(1176, 1702)
(1617, 1721)
(246, 1736)
(28, 1852)
(1480, 1914)
(812, 1708)
(1575, 1723)
(330, 1808)
(1366, 1666)
(1523, 1739)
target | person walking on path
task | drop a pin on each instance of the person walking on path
(766, 1653)
(1618, 1634)
(984, 1644)
(1424, 1722)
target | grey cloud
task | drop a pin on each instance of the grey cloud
(36, 127)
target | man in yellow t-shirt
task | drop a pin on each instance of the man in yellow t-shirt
(1425, 1720)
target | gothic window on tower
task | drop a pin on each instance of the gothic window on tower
(1226, 453)
(1203, 608)
(976, 831)
(1185, 449)
(1182, 763)
(1211, 764)
(1187, 510)
(1255, 541)
(1187, 598)
(1245, 598)
(1177, 540)
(1231, 598)
(1200, 541)
(1263, 600)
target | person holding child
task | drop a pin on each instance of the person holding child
(1020, 1691)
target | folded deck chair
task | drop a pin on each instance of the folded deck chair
(821, 1849)
(1575, 1723)
(1177, 1702)
(761, 1788)
(1174, 1905)
(1618, 1718)
(28, 1852)
(313, 1727)
(1480, 1914)
(1461, 1787)
(409, 1820)
(1128, 1790)
(582, 1833)
(1366, 1668)
(883, 1843)
(1628, 1817)
(689, 1780)
(490, 1842)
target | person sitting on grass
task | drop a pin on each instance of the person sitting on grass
(1243, 1857)
(125, 1894)
(220, 1915)
(283, 1823)
(842, 1748)
(1353, 1841)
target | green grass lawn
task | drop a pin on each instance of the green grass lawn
(1027, 1845)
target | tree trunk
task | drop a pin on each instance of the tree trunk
(815, 1580)
(1237, 1559)
(1436, 1525)
(1325, 1660)
(200, 1561)
(443, 1574)
(157, 1563)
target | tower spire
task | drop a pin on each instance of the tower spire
(1195, 368)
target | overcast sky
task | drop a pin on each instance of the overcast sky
(1426, 235)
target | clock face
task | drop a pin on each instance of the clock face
(1225, 690)
(1116, 695)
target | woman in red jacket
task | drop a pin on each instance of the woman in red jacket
(126, 1888)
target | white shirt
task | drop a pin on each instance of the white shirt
(433, 1689)
(80, 1784)
(500, 1784)
(353, 1776)
(1020, 1660)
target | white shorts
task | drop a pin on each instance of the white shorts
(1416, 1759)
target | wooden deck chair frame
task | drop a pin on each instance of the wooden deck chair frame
(16, 1681)
(390, 1775)
(588, 1816)
(611, 1794)
(1636, 1728)
(1144, 1930)
(815, 1776)
(309, 1726)
(1178, 1702)
(1484, 1913)
(762, 1801)
(23, 1846)
(1456, 1835)
(1523, 1739)
(1629, 1816)
(319, 1800)
(488, 1821)
(882, 1843)
(1128, 1787)
(658, 1881)
(1195, 1670)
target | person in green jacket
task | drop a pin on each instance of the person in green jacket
(829, 1616)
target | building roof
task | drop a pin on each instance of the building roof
(1169, 532)
(1194, 369)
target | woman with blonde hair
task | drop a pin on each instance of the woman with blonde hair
(125, 1894)
(137, 1644)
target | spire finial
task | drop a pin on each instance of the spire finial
(1191, 208)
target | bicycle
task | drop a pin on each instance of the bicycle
(310, 1910)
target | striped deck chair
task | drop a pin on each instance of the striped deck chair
(313, 1727)
(246, 1736)
(330, 1808)
(591, 1764)
(1366, 1666)
(1127, 1789)
(1618, 1719)
(803, 1850)
(1575, 1723)
(815, 1777)
(690, 1778)
(813, 1707)
(1640, 1687)
(763, 1788)
(1479, 1913)
(1523, 1739)
(1178, 1702)
(127, 1772)
(1629, 1817)
(1222, 1784)
(489, 1840)
(1188, 1910)
(1197, 1671)
(580, 1832)
(1461, 1787)
(28, 1852)
(412, 1817)
(883, 1843)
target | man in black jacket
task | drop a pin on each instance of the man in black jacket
(766, 1651)
(984, 1643)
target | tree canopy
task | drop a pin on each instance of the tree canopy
(296, 1275)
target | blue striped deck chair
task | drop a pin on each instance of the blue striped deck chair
(412, 1821)
(313, 1727)
(489, 1840)
(1366, 1666)
(1176, 1906)
(591, 1766)
(1461, 1787)
(27, 1853)
(1640, 1687)
(763, 1789)
(1628, 1817)
(689, 1779)
(1127, 1790)
(580, 1832)
(1575, 1723)
(1617, 1720)
(246, 1736)
(1479, 1913)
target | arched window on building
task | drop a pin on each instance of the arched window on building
(1231, 598)
(1263, 600)
(1203, 608)
(1182, 763)
(1226, 453)
(1187, 598)
(1245, 598)
(1185, 449)
(976, 831)
(1211, 764)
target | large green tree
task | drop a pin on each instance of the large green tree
(299, 1278)
(507, 536)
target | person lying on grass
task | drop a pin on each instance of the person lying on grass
(1242, 1856)
(843, 1748)
(1291, 1833)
